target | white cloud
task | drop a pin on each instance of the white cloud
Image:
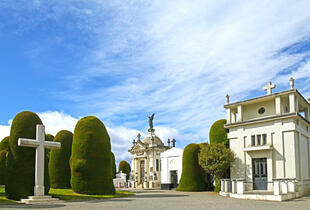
(4, 131)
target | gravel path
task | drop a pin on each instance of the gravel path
(156, 199)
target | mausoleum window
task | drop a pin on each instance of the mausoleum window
(264, 139)
(253, 140)
(258, 139)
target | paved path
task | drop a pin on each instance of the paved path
(156, 199)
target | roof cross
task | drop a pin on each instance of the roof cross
(269, 88)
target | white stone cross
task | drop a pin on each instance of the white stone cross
(269, 88)
(40, 145)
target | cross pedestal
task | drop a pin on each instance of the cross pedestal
(40, 144)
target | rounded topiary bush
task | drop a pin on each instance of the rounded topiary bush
(113, 165)
(4, 144)
(3, 155)
(21, 160)
(91, 165)
(193, 176)
(125, 168)
(218, 133)
(59, 167)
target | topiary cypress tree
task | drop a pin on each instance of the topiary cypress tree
(218, 133)
(59, 167)
(125, 168)
(113, 165)
(193, 176)
(4, 144)
(91, 170)
(21, 160)
(3, 155)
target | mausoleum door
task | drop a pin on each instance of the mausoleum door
(142, 163)
(174, 179)
(259, 166)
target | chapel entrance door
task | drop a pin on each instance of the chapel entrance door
(142, 163)
(259, 166)
(174, 179)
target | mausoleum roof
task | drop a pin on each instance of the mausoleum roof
(148, 139)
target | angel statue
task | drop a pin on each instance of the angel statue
(151, 121)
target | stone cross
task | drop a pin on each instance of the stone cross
(269, 88)
(227, 99)
(40, 144)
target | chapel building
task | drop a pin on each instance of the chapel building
(146, 161)
(270, 138)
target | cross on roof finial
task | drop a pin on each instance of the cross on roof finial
(269, 88)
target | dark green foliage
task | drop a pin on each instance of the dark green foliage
(218, 133)
(48, 137)
(125, 168)
(193, 176)
(113, 165)
(3, 155)
(59, 167)
(216, 159)
(21, 160)
(4, 144)
(91, 165)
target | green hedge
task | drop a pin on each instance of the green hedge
(125, 168)
(59, 167)
(4, 144)
(21, 160)
(113, 165)
(3, 155)
(218, 133)
(91, 165)
(193, 176)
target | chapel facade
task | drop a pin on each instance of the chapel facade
(270, 138)
(146, 160)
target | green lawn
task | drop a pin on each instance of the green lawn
(68, 194)
(3, 199)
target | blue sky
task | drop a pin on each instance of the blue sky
(124, 60)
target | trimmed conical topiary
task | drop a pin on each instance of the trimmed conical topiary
(113, 165)
(125, 168)
(91, 165)
(3, 156)
(218, 133)
(21, 160)
(193, 176)
(59, 167)
(4, 144)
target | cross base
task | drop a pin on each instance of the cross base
(45, 199)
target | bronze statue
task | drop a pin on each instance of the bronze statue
(151, 121)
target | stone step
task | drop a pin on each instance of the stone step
(39, 200)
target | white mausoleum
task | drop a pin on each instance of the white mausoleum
(270, 138)
(171, 168)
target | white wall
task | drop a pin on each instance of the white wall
(171, 160)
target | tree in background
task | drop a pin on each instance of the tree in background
(193, 176)
(218, 133)
(216, 159)
(48, 137)
(4, 144)
(125, 168)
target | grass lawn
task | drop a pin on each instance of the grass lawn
(3, 199)
(68, 194)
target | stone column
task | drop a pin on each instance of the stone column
(276, 187)
(240, 186)
(292, 103)
(234, 186)
(278, 105)
(145, 173)
(223, 185)
(239, 110)
(227, 185)
(284, 187)
(228, 115)
(291, 185)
